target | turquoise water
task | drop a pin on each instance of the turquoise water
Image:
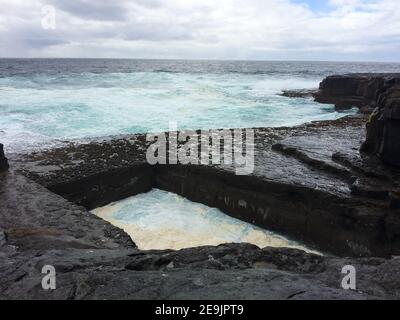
(39, 110)
(44, 102)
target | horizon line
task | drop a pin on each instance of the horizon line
(201, 59)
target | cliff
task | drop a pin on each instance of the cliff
(352, 90)
(376, 94)
(383, 127)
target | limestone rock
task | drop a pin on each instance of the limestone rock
(353, 90)
(383, 128)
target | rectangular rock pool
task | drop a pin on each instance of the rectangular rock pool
(164, 220)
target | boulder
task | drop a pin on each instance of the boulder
(3, 159)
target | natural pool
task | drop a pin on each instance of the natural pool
(163, 220)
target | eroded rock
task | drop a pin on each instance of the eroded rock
(298, 187)
(383, 127)
(352, 90)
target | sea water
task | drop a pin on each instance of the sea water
(163, 220)
(44, 102)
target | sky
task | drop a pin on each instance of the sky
(331, 30)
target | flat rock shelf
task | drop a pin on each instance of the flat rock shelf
(307, 184)
(311, 183)
(40, 227)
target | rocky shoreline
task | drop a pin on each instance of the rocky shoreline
(310, 183)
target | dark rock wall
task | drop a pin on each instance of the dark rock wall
(3, 159)
(349, 91)
(105, 187)
(322, 220)
(383, 128)
(313, 217)
(378, 94)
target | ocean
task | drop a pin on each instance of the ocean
(45, 102)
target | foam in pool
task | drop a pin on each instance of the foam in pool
(163, 220)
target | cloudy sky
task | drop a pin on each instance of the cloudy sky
(366, 30)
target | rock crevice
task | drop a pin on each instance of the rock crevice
(3, 159)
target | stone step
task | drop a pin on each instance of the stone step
(319, 164)
(367, 166)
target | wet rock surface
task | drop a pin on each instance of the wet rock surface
(310, 183)
(232, 271)
(302, 185)
(95, 260)
(33, 217)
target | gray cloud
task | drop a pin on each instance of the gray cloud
(156, 32)
(149, 3)
(43, 42)
(105, 10)
(225, 29)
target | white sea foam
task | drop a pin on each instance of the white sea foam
(163, 220)
(41, 109)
